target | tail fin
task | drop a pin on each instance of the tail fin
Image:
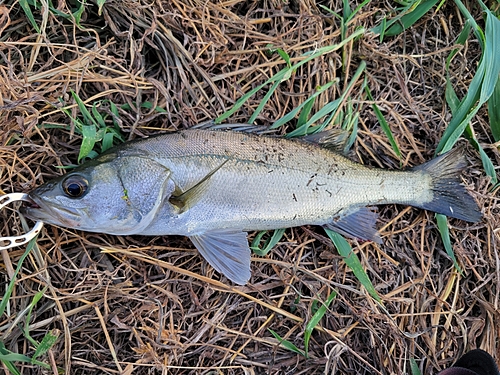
(450, 196)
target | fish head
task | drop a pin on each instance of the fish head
(113, 194)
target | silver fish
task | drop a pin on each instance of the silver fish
(214, 186)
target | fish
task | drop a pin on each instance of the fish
(215, 186)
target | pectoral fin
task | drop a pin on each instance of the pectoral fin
(184, 200)
(227, 252)
(358, 224)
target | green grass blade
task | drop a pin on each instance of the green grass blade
(285, 57)
(414, 367)
(352, 262)
(14, 357)
(331, 107)
(481, 88)
(494, 112)
(263, 102)
(450, 95)
(89, 133)
(405, 19)
(48, 342)
(128, 107)
(4, 359)
(77, 14)
(287, 344)
(239, 103)
(10, 366)
(383, 123)
(488, 166)
(409, 19)
(464, 113)
(346, 9)
(27, 10)
(284, 73)
(442, 223)
(290, 115)
(316, 319)
(98, 117)
(454, 103)
(355, 11)
(353, 127)
(491, 56)
(10, 287)
(269, 244)
(89, 120)
(100, 4)
(461, 40)
(477, 30)
(37, 297)
(107, 141)
(7, 357)
(305, 113)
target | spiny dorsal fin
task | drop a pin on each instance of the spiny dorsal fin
(242, 128)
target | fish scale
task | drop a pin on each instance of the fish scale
(272, 183)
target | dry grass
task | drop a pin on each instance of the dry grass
(144, 305)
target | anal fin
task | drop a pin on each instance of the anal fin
(358, 224)
(227, 251)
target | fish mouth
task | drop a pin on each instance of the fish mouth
(36, 209)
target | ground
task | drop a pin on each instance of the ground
(140, 305)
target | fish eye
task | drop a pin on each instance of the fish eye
(75, 186)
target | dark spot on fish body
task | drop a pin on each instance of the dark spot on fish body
(333, 168)
(310, 179)
(329, 193)
(294, 198)
(270, 171)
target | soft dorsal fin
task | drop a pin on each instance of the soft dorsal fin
(184, 200)
(333, 139)
(227, 251)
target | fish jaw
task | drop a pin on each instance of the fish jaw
(52, 213)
